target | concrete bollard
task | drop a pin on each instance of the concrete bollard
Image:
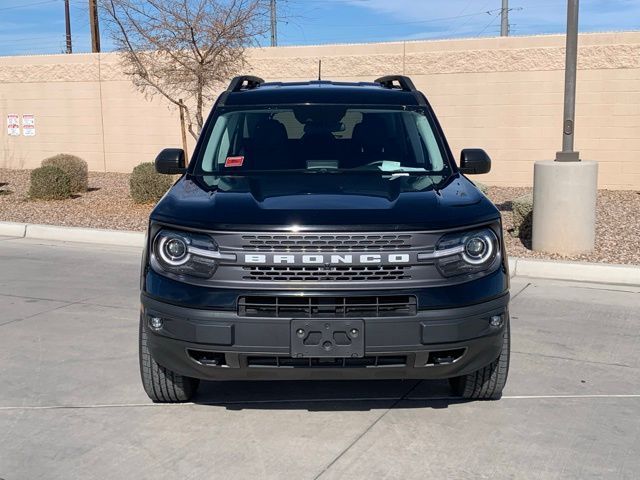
(564, 206)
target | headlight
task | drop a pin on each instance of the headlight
(173, 249)
(467, 252)
(185, 253)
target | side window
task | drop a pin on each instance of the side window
(220, 141)
(429, 140)
(213, 145)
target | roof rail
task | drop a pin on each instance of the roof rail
(405, 82)
(244, 82)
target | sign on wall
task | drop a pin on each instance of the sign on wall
(13, 124)
(28, 125)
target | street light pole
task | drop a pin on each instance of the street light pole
(565, 189)
(568, 126)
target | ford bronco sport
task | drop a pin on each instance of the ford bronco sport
(323, 230)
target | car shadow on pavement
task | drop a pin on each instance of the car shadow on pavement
(346, 395)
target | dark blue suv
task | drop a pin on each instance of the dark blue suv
(323, 230)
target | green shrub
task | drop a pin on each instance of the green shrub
(74, 167)
(50, 183)
(146, 185)
(522, 215)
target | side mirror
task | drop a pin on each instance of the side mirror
(474, 161)
(170, 161)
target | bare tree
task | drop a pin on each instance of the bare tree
(184, 49)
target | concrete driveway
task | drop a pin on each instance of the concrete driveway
(72, 407)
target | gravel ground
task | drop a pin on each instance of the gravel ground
(108, 205)
(617, 227)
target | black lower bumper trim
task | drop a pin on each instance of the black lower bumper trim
(219, 345)
(379, 361)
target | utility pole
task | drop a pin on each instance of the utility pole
(504, 14)
(183, 129)
(94, 25)
(67, 21)
(274, 24)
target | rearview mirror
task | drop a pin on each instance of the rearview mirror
(474, 161)
(170, 161)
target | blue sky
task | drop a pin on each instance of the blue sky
(37, 26)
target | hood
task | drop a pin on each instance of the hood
(318, 201)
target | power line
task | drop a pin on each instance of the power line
(488, 25)
(431, 20)
(27, 5)
(466, 22)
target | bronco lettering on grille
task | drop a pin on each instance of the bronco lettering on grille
(326, 259)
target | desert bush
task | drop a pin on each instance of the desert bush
(74, 167)
(146, 185)
(523, 215)
(50, 183)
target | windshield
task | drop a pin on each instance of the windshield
(322, 138)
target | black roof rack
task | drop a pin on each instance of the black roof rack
(405, 82)
(244, 82)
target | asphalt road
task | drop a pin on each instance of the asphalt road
(72, 407)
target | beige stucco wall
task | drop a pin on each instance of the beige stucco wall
(501, 94)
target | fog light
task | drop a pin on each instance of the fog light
(496, 321)
(155, 323)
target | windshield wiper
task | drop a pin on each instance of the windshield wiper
(395, 175)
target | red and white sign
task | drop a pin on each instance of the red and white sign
(28, 125)
(13, 124)
(234, 161)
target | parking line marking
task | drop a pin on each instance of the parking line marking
(309, 400)
(210, 403)
(536, 397)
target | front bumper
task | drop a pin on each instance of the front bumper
(439, 343)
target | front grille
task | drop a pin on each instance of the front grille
(327, 274)
(330, 362)
(327, 242)
(330, 307)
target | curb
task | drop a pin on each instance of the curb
(11, 229)
(518, 267)
(73, 234)
(576, 271)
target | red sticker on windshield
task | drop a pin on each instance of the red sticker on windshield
(234, 161)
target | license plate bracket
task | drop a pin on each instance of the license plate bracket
(327, 338)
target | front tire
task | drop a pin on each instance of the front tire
(162, 385)
(488, 382)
